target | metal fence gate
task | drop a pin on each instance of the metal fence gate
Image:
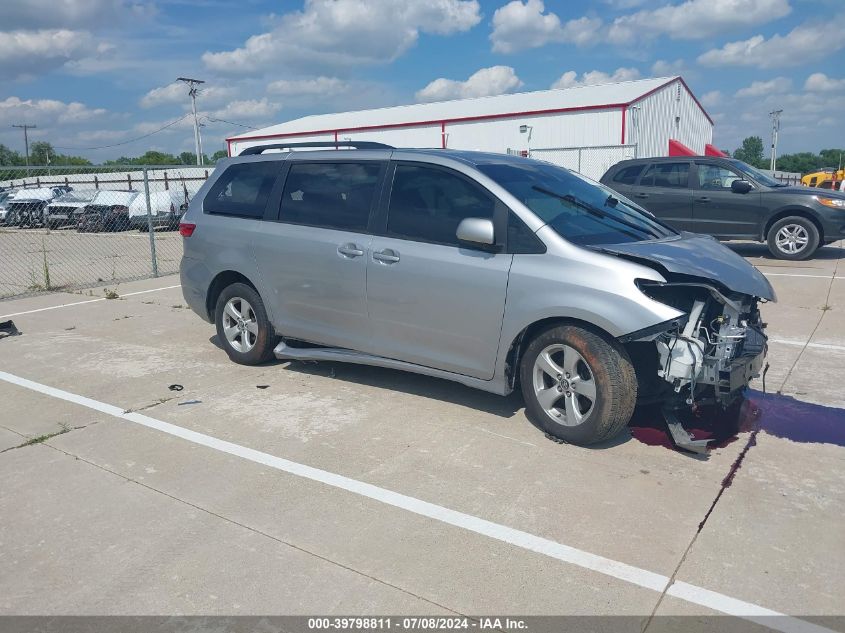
(72, 228)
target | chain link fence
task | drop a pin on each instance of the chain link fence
(71, 228)
(590, 161)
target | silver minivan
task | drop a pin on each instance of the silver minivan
(491, 270)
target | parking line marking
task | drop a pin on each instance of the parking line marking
(837, 348)
(525, 540)
(79, 303)
(830, 276)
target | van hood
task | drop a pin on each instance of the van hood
(699, 256)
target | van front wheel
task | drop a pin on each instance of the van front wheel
(578, 386)
(243, 328)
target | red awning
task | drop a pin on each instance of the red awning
(712, 150)
(676, 148)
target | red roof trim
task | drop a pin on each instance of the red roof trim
(433, 122)
(684, 84)
(624, 113)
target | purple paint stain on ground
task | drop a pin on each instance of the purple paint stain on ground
(775, 414)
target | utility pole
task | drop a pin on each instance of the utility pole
(26, 128)
(192, 91)
(775, 128)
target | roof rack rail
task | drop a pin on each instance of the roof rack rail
(258, 149)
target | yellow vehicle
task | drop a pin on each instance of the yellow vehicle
(824, 178)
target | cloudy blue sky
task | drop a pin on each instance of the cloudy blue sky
(94, 73)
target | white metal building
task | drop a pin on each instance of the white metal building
(587, 128)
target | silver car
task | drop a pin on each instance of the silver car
(494, 271)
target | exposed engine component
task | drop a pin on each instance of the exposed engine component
(712, 356)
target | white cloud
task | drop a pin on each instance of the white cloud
(570, 79)
(495, 80)
(46, 112)
(248, 109)
(778, 85)
(662, 68)
(25, 53)
(518, 25)
(344, 33)
(805, 43)
(320, 86)
(87, 14)
(171, 93)
(819, 82)
(696, 19)
(712, 98)
(177, 92)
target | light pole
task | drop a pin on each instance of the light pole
(527, 129)
(192, 91)
(26, 128)
(775, 127)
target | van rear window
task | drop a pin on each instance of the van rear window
(242, 190)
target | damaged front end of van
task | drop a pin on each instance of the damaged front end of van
(711, 353)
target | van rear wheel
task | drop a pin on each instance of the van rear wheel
(243, 328)
(578, 386)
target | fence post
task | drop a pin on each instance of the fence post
(579, 160)
(150, 226)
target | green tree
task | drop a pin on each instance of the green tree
(9, 156)
(751, 152)
(41, 153)
(188, 158)
(220, 153)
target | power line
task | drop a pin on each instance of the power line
(214, 120)
(132, 140)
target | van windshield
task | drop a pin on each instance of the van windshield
(578, 209)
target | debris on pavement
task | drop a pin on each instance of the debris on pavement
(7, 328)
(188, 402)
(176, 387)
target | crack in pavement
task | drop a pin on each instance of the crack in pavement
(40, 439)
(737, 463)
(824, 310)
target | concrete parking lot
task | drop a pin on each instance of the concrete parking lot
(298, 488)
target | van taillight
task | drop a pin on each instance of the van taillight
(186, 230)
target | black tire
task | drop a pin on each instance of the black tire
(265, 341)
(602, 361)
(798, 226)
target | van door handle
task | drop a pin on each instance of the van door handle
(387, 256)
(350, 250)
(702, 199)
(641, 195)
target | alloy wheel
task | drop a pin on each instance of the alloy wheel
(240, 324)
(792, 238)
(564, 385)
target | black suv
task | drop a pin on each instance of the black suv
(731, 200)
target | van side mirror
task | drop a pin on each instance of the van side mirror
(476, 231)
(741, 186)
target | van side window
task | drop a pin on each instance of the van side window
(428, 204)
(666, 175)
(242, 190)
(330, 195)
(628, 175)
